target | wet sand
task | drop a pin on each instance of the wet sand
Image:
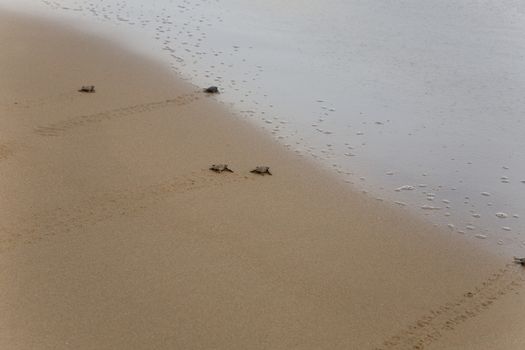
(115, 235)
(385, 94)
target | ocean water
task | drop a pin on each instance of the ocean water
(418, 103)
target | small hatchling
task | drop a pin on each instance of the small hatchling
(219, 168)
(87, 88)
(520, 261)
(212, 90)
(262, 170)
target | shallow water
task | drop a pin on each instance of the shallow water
(419, 103)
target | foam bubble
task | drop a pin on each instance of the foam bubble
(429, 207)
(404, 188)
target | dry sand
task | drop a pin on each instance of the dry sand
(115, 235)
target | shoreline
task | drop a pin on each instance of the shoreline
(320, 265)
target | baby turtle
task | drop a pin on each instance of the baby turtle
(87, 88)
(212, 90)
(261, 170)
(219, 168)
(520, 261)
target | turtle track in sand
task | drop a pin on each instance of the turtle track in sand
(40, 102)
(106, 206)
(446, 318)
(5, 151)
(61, 127)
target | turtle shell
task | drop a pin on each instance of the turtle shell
(262, 170)
(219, 168)
(87, 88)
(212, 90)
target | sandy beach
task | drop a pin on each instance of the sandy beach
(114, 234)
